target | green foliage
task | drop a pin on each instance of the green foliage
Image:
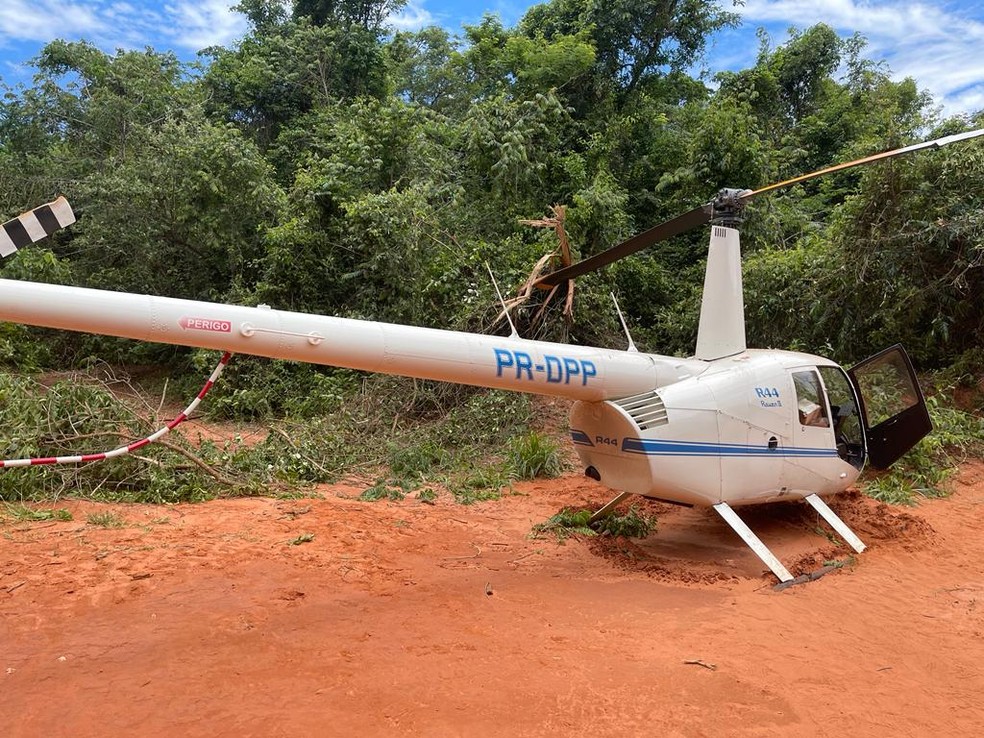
(74, 416)
(635, 41)
(913, 236)
(570, 521)
(564, 524)
(383, 490)
(105, 519)
(20, 513)
(201, 191)
(262, 388)
(485, 481)
(416, 462)
(415, 435)
(421, 68)
(348, 14)
(630, 524)
(924, 470)
(285, 69)
(534, 455)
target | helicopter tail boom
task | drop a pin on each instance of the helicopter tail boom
(535, 367)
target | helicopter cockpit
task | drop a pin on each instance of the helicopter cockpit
(876, 409)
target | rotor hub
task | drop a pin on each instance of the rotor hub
(728, 206)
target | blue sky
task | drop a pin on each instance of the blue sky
(938, 42)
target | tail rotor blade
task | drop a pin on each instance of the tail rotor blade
(34, 225)
(667, 229)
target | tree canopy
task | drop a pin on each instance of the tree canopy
(323, 163)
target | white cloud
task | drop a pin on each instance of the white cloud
(937, 45)
(186, 25)
(196, 24)
(43, 20)
(413, 17)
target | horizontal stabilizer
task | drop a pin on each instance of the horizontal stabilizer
(34, 225)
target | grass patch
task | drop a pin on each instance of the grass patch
(534, 455)
(105, 519)
(301, 539)
(383, 489)
(21, 513)
(480, 483)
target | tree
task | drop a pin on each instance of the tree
(348, 14)
(636, 41)
(422, 69)
(281, 72)
(180, 216)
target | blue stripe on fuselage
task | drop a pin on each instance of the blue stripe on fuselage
(581, 438)
(650, 447)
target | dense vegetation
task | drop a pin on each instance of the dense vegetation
(324, 164)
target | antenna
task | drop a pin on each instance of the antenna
(505, 310)
(632, 347)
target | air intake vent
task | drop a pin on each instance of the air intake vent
(647, 409)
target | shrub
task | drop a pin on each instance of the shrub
(534, 455)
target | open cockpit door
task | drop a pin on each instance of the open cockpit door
(893, 406)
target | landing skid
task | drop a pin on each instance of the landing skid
(835, 522)
(608, 508)
(763, 552)
(753, 541)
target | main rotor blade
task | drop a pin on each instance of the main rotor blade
(934, 144)
(34, 225)
(732, 200)
(667, 229)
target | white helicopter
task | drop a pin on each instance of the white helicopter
(730, 426)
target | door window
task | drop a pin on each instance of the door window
(895, 411)
(844, 412)
(887, 388)
(810, 405)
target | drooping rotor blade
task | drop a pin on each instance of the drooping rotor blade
(34, 225)
(667, 229)
(934, 144)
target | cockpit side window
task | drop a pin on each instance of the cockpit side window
(848, 432)
(809, 400)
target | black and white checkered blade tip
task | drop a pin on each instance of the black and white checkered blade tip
(34, 225)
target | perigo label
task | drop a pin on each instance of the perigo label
(206, 324)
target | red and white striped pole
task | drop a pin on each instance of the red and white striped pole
(124, 450)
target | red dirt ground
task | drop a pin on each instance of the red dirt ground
(442, 620)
